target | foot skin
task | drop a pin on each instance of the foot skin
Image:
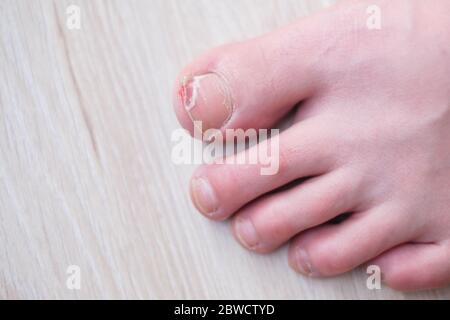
(372, 137)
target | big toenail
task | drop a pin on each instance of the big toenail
(303, 264)
(246, 233)
(207, 100)
(204, 196)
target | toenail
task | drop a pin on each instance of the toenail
(207, 100)
(204, 196)
(303, 264)
(246, 233)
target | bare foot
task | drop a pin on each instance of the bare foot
(372, 136)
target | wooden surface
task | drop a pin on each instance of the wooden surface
(85, 171)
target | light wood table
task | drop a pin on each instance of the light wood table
(85, 171)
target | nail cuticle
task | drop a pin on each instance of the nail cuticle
(251, 238)
(204, 197)
(304, 264)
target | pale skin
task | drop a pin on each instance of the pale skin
(371, 138)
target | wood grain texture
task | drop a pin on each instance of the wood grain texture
(85, 171)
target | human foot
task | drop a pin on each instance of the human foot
(372, 137)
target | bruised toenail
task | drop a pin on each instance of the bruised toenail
(246, 233)
(207, 99)
(302, 264)
(204, 196)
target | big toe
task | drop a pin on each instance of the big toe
(251, 84)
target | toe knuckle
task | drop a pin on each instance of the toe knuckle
(275, 227)
(285, 161)
(329, 261)
(280, 229)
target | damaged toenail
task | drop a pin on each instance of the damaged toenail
(204, 196)
(303, 264)
(246, 233)
(207, 99)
